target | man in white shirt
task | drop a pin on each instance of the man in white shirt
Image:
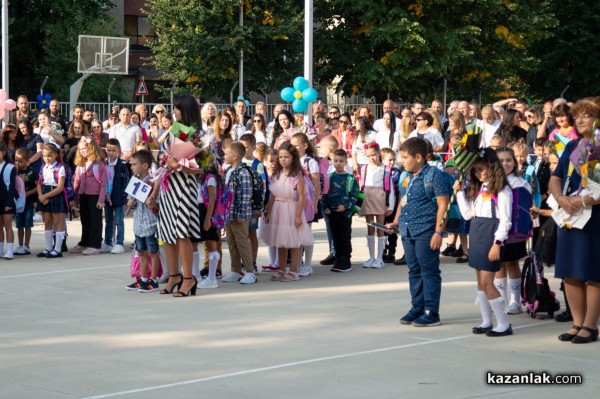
(388, 105)
(127, 133)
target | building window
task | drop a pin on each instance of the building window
(139, 31)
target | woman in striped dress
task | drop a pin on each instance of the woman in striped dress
(179, 217)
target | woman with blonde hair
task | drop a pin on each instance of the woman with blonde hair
(209, 110)
(437, 121)
(159, 110)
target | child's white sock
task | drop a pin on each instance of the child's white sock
(196, 264)
(380, 248)
(213, 261)
(308, 254)
(501, 285)
(273, 256)
(9, 248)
(48, 240)
(60, 236)
(485, 309)
(515, 290)
(371, 244)
(498, 306)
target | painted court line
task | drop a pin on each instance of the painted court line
(62, 271)
(291, 364)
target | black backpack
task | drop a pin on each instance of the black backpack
(535, 290)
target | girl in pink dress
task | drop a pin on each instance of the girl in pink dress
(286, 226)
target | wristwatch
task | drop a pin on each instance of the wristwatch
(440, 233)
(498, 242)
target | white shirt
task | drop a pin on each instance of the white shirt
(48, 174)
(358, 147)
(374, 178)
(383, 139)
(260, 136)
(516, 182)
(380, 124)
(211, 181)
(481, 207)
(488, 132)
(432, 134)
(46, 136)
(127, 136)
(313, 165)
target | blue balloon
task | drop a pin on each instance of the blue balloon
(300, 83)
(309, 95)
(299, 105)
(287, 94)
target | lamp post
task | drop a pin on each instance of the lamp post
(241, 72)
(5, 47)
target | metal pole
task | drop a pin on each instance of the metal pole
(445, 91)
(173, 91)
(308, 49)
(231, 92)
(112, 82)
(5, 80)
(241, 73)
(42, 85)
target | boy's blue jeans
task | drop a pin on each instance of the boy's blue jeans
(114, 216)
(424, 275)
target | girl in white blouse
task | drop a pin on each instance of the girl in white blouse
(487, 203)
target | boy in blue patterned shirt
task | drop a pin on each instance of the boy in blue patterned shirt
(338, 204)
(419, 218)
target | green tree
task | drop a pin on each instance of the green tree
(43, 42)
(568, 56)
(199, 43)
(405, 49)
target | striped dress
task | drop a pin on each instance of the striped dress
(179, 215)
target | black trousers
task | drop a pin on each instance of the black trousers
(341, 227)
(392, 238)
(91, 221)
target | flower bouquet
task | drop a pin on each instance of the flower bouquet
(586, 161)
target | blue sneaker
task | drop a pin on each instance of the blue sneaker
(411, 316)
(429, 319)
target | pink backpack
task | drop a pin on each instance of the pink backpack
(310, 208)
(323, 173)
(387, 181)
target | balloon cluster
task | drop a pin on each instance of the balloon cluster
(300, 94)
(6, 104)
(43, 100)
(241, 98)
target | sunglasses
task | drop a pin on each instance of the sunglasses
(257, 121)
(162, 111)
(419, 119)
(343, 122)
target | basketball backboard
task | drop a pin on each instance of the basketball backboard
(103, 55)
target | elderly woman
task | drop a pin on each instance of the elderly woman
(425, 131)
(578, 250)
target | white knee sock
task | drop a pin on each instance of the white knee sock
(515, 290)
(371, 244)
(485, 309)
(9, 249)
(213, 261)
(380, 247)
(196, 264)
(273, 256)
(308, 254)
(60, 236)
(501, 285)
(498, 306)
(48, 240)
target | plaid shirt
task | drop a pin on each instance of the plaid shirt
(144, 220)
(240, 182)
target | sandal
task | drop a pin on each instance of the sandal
(278, 276)
(191, 292)
(290, 276)
(165, 291)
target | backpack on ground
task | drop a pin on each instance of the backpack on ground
(387, 182)
(134, 269)
(20, 196)
(222, 208)
(535, 291)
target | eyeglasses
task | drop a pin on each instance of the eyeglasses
(419, 119)
(333, 112)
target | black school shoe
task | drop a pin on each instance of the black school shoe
(400, 262)
(328, 261)
(389, 258)
(564, 317)
(449, 249)
(458, 253)
(504, 333)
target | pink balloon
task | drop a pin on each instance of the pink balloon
(9, 105)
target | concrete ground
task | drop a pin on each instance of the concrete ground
(69, 329)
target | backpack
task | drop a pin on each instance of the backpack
(134, 269)
(349, 185)
(387, 181)
(223, 203)
(310, 204)
(68, 190)
(258, 191)
(96, 172)
(531, 177)
(428, 181)
(255, 164)
(19, 187)
(522, 224)
(535, 290)
(323, 175)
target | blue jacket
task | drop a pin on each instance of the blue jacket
(118, 197)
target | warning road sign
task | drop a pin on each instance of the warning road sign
(142, 89)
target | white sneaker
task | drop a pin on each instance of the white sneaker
(19, 250)
(377, 264)
(207, 283)
(9, 255)
(249, 278)
(369, 263)
(117, 249)
(305, 271)
(37, 217)
(514, 308)
(106, 248)
(232, 277)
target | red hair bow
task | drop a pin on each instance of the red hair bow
(372, 144)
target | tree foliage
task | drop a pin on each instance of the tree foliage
(405, 49)
(43, 42)
(199, 43)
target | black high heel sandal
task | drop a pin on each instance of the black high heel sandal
(165, 291)
(578, 339)
(568, 337)
(191, 292)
